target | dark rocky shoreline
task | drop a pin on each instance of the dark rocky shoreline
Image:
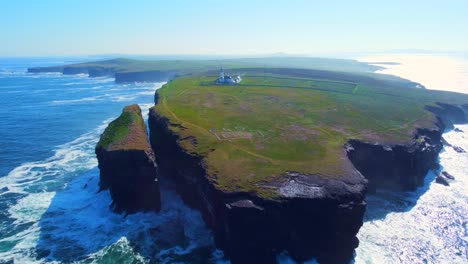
(312, 216)
(321, 224)
(321, 219)
(120, 77)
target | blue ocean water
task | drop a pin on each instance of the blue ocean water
(51, 210)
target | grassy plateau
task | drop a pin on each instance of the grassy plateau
(280, 120)
(127, 132)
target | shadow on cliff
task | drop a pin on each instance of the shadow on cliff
(79, 226)
(384, 202)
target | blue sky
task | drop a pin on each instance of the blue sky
(48, 27)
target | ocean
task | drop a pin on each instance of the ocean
(50, 207)
(51, 210)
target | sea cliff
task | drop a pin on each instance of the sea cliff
(127, 164)
(404, 167)
(312, 216)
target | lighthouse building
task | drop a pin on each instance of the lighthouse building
(227, 79)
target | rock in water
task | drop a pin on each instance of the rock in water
(127, 165)
(444, 177)
(442, 180)
(458, 149)
(448, 175)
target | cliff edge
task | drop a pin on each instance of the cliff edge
(127, 164)
(309, 216)
(283, 164)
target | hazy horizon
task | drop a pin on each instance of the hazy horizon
(246, 28)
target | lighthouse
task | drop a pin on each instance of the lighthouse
(227, 79)
(221, 75)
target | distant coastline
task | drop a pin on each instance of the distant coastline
(434, 71)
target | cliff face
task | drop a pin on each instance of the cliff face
(46, 69)
(127, 164)
(450, 114)
(91, 71)
(120, 77)
(144, 76)
(313, 217)
(404, 167)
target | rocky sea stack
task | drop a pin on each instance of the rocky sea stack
(127, 165)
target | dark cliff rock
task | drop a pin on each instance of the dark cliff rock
(312, 216)
(120, 77)
(144, 76)
(46, 69)
(397, 167)
(444, 178)
(450, 114)
(91, 71)
(127, 164)
(74, 70)
(100, 72)
(404, 167)
(447, 175)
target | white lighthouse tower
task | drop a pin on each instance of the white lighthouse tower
(221, 75)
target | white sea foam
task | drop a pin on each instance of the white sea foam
(150, 92)
(73, 155)
(30, 208)
(80, 217)
(73, 83)
(430, 224)
(431, 228)
(73, 101)
(123, 98)
(33, 180)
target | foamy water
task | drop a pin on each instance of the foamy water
(429, 225)
(50, 209)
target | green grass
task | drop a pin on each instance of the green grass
(197, 66)
(128, 131)
(275, 124)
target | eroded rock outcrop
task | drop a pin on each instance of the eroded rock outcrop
(444, 178)
(404, 167)
(397, 167)
(127, 164)
(310, 217)
(450, 114)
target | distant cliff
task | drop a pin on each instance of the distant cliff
(127, 165)
(131, 70)
(120, 77)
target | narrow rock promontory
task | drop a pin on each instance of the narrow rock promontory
(127, 165)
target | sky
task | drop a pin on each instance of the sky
(85, 27)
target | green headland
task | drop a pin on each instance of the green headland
(126, 132)
(280, 120)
